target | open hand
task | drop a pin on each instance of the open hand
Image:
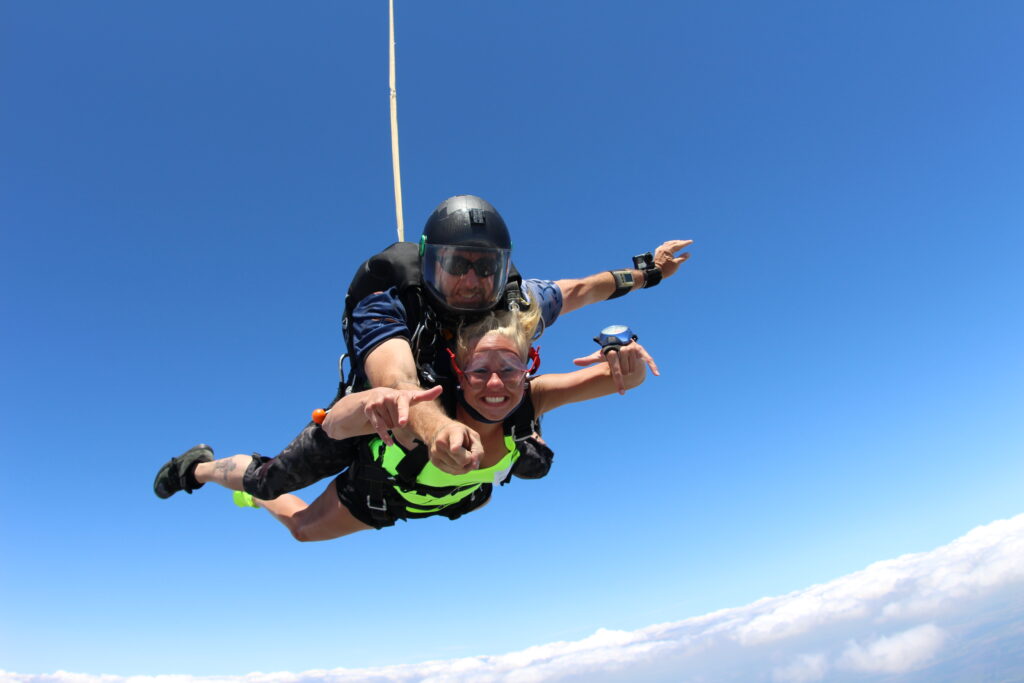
(665, 256)
(623, 363)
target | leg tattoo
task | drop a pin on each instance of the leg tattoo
(223, 468)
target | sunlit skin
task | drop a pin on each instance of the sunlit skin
(464, 291)
(494, 399)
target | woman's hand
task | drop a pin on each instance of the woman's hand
(626, 364)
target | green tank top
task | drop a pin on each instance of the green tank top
(462, 485)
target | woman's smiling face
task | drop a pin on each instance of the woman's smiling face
(493, 376)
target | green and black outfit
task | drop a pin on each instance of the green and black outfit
(381, 484)
(388, 483)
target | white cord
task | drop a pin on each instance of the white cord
(394, 125)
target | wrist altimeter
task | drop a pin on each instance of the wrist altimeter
(614, 337)
(623, 283)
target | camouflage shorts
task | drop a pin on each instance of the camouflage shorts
(310, 457)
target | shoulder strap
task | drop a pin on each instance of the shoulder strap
(411, 465)
(523, 421)
(513, 273)
(397, 266)
(513, 291)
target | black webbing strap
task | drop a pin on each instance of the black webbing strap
(381, 484)
(377, 484)
(408, 469)
(522, 423)
(411, 465)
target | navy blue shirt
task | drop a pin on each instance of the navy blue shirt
(381, 315)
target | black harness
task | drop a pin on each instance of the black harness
(398, 266)
(386, 504)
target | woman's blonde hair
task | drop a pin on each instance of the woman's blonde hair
(518, 326)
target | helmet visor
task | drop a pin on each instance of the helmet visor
(465, 278)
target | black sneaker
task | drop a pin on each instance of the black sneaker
(176, 474)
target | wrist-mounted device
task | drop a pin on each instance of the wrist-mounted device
(614, 337)
(623, 283)
(645, 263)
(624, 280)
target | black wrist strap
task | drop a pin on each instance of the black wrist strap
(623, 283)
(652, 276)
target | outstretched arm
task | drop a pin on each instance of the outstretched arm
(453, 447)
(553, 390)
(374, 410)
(577, 293)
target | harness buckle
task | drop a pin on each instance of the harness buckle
(530, 431)
(383, 504)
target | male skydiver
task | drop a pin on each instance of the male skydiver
(464, 269)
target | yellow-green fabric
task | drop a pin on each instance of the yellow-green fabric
(463, 484)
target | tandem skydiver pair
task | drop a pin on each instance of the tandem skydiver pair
(451, 313)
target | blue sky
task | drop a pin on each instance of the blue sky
(187, 190)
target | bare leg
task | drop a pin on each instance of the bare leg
(325, 518)
(227, 472)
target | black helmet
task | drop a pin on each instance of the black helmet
(464, 254)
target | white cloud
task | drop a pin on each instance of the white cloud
(803, 669)
(897, 653)
(954, 613)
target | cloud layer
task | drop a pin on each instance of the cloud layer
(952, 614)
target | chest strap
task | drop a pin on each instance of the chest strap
(409, 467)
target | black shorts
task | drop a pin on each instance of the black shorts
(310, 457)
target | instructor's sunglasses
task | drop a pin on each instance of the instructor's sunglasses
(460, 265)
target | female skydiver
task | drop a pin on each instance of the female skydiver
(391, 478)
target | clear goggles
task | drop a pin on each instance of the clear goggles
(507, 365)
(447, 271)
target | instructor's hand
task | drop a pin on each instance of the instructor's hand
(386, 409)
(455, 448)
(665, 256)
